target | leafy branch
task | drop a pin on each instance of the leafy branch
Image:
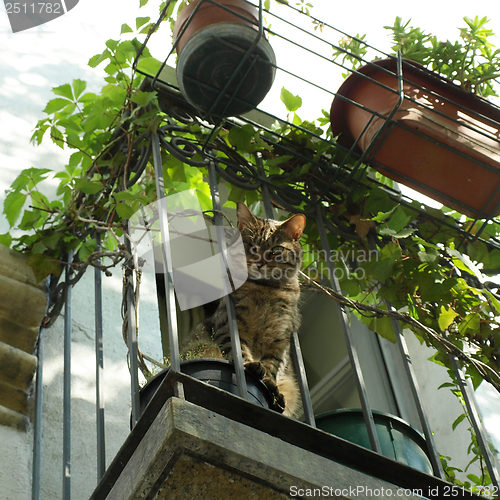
(473, 63)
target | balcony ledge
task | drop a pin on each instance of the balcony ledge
(192, 452)
(215, 445)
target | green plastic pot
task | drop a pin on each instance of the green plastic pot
(398, 439)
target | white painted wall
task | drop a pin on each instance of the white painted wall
(116, 383)
(15, 464)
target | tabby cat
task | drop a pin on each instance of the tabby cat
(266, 306)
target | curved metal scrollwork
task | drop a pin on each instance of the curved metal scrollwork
(230, 165)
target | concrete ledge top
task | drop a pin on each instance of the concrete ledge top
(224, 456)
(223, 430)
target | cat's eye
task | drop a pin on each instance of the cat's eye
(277, 250)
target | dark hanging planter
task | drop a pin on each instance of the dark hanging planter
(217, 372)
(225, 67)
(441, 141)
(398, 440)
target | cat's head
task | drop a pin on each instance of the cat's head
(272, 247)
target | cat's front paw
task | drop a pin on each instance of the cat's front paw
(278, 398)
(256, 368)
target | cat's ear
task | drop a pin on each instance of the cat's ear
(294, 226)
(245, 217)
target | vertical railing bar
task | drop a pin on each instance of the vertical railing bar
(132, 336)
(296, 352)
(99, 370)
(67, 384)
(266, 196)
(231, 313)
(173, 334)
(429, 438)
(476, 422)
(351, 150)
(298, 362)
(37, 417)
(370, 151)
(351, 349)
(37, 431)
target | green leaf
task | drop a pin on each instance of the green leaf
(53, 240)
(141, 21)
(236, 194)
(446, 384)
(124, 211)
(38, 199)
(87, 248)
(242, 138)
(493, 300)
(143, 98)
(30, 218)
(89, 187)
(399, 219)
(391, 251)
(475, 479)
(380, 270)
(145, 29)
(292, 102)
(403, 233)
(149, 65)
(457, 421)
(64, 91)
(78, 87)
(384, 327)
(98, 58)
(430, 256)
(446, 317)
(43, 266)
(57, 137)
(471, 323)
(39, 132)
(5, 239)
(56, 104)
(13, 205)
(29, 176)
(124, 196)
(96, 121)
(111, 44)
(383, 216)
(463, 262)
(126, 29)
(125, 51)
